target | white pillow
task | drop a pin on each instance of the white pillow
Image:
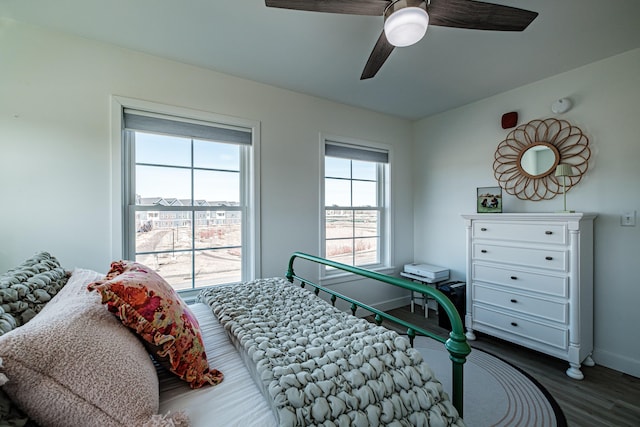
(75, 364)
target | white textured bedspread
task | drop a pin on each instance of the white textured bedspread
(317, 365)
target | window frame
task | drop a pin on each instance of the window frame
(383, 177)
(124, 216)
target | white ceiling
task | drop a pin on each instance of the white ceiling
(324, 54)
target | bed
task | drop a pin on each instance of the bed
(288, 357)
(240, 392)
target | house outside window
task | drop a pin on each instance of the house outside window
(356, 214)
(189, 199)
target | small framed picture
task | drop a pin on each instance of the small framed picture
(489, 200)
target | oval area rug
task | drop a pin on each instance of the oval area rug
(495, 392)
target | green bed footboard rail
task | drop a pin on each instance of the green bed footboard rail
(456, 344)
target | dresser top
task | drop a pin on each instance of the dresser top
(540, 216)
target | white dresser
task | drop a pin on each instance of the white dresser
(530, 281)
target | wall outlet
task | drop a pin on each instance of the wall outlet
(628, 219)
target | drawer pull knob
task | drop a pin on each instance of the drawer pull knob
(548, 232)
(514, 324)
(484, 251)
(548, 258)
(483, 229)
(513, 300)
(514, 278)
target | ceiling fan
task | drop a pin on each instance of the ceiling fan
(405, 21)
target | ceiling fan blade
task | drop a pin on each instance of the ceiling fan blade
(379, 55)
(350, 7)
(477, 15)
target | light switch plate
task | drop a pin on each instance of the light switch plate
(628, 219)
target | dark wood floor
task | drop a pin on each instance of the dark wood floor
(605, 397)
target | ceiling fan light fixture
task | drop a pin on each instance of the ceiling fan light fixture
(405, 22)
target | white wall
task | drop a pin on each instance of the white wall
(55, 164)
(453, 154)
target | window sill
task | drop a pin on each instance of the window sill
(189, 296)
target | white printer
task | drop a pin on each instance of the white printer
(425, 272)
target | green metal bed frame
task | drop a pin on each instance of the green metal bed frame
(456, 344)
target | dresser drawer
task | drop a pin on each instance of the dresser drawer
(539, 258)
(530, 330)
(556, 285)
(555, 311)
(515, 231)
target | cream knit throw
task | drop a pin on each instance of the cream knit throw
(320, 366)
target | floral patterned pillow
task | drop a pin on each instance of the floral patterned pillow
(146, 303)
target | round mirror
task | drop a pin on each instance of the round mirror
(538, 160)
(526, 160)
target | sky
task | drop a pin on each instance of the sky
(169, 181)
(162, 164)
(337, 186)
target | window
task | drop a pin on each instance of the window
(356, 207)
(188, 199)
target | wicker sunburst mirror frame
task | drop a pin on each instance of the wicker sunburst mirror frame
(526, 160)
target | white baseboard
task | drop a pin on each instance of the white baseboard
(386, 305)
(615, 361)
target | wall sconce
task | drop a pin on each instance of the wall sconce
(564, 170)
